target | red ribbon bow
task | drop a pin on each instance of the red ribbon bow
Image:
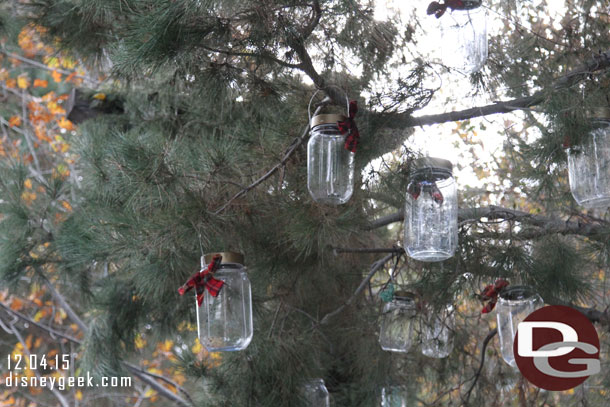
(490, 293)
(438, 9)
(204, 279)
(349, 126)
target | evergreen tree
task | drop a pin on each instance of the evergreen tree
(200, 147)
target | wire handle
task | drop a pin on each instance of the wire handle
(319, 90)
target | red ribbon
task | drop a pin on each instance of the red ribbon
(348, 127)
(204, 279)
(490, 293)
(438, 9)
(415, 190)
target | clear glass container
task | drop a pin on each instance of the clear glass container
(514, 305)
(431, 211)
(396, 331)
(330, 166)
(589, 167)
(394, 396)
(437, 332)
(226, 320)
(464, 37)
(315, 394)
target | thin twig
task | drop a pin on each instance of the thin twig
(378, 265)
(296, 143)
(488, 338)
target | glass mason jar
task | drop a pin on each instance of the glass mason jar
(464, 37)
(396, 331)
(330, 166)
(589, 164)
(394, 396)
(431, 211)
(315, 393)
(226, 320)
(514, 305)
(437, 333)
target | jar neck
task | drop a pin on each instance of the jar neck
(430, 174)
(518, 293)
(326, 128)
(230, 266)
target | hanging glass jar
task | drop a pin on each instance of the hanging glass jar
(514, 305)
(396, 331)
(464, 37)
(589, 164)
(315, 393)
(394, 396)
(437, 332)
(225, 323)
(431, 211)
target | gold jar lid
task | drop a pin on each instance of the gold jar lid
(432, 162)
(227, 257)
(326, 119)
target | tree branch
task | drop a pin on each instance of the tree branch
(545, 224)
(598, 63)
(296, 143)
(488, 338)
(378, 265)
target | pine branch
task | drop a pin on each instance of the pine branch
(598, 63)
(378, 265)
(296, 143)
(547, 225)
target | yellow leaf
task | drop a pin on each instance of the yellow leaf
(79, 395)
(23, 82)
(167, 345)
(39, 315)
(66, 206)
(99, 96)
(140, 342)
(52, 62)
(11, 83)
(28, 183)
(197, 347)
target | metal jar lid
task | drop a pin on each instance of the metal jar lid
(432, 162)
(227, 257)
(326, 119)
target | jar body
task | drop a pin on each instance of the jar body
(396, 331)
(330, 166)
(437, 333)
(315, 394)
(589, 168)
(394, 396)
(514, 305)
(431, 212)
(464, 39)
(226, 320)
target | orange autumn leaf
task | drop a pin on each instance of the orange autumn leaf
(99, 96)
(11, 83)
(14, 121)
(56, 76)
(66, 206)
(28, 183)
(65, 124)
(16, 304)
(70, 77)
(23, 82)
(55, 108)
(41, 83)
